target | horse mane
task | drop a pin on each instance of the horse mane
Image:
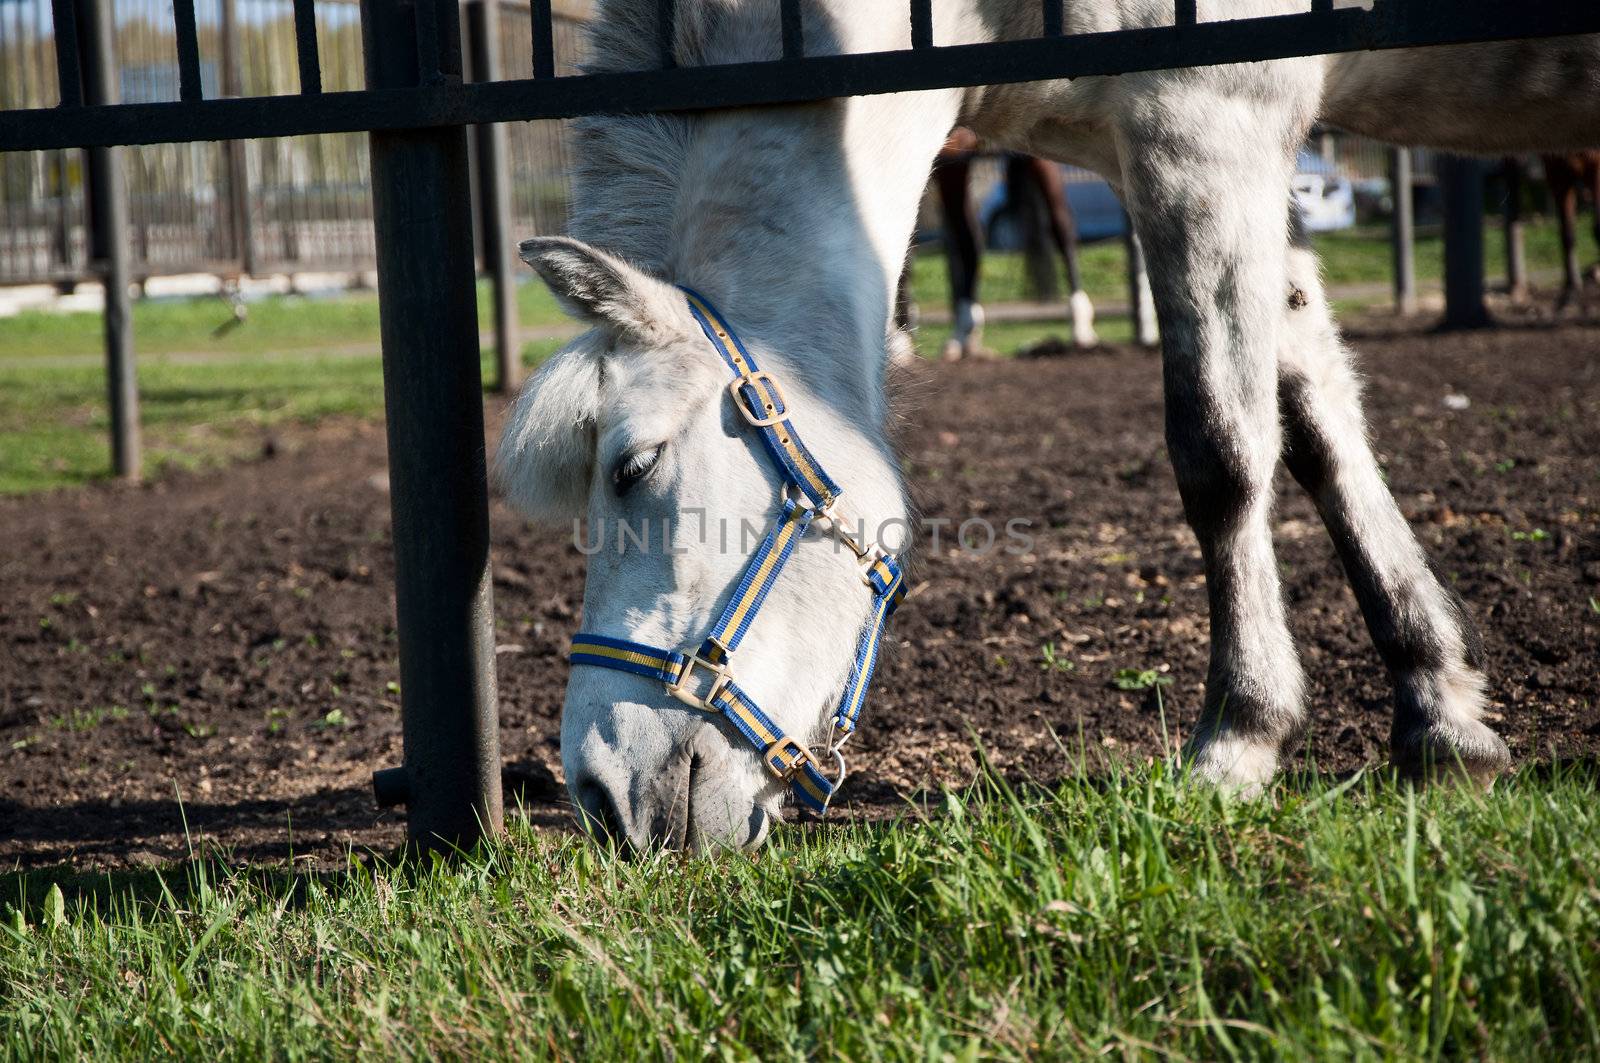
(629, 166)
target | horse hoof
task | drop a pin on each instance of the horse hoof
(1083, 334)
(1462, 751)
(953, 350)
(1233, 764)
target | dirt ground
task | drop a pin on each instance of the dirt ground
(212, 657)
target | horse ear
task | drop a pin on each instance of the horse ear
(603, 290)
(546, 455)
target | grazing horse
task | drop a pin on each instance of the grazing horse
(952, 177)
(790, 225)
(1567, 175)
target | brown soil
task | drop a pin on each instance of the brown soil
(228, 638)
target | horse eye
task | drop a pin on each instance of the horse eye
(634, 467)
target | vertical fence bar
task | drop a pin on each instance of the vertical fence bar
(493, 186)
(1403, 233)
(108, 195)
(68, 77)
(1053, 25)
(667, 32)
(544, 39)
(922, 23)
(1321, 6)
(188, 42)
(1462, 181)
(1184, 13)
(433, 398)
(794, 33)
(305, 46)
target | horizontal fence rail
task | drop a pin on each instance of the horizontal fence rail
(439, 101)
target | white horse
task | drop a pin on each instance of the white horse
(795, 221)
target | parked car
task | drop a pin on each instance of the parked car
(1096, 211)
(1326, 198)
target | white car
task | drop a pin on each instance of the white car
(1325, 196)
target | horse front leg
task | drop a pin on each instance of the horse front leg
(1207, 178)
(1420, 627)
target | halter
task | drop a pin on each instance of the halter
(702, 677)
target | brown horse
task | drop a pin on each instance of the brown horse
(964, 244)
(1567, 175)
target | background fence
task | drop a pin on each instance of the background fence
(278, 205)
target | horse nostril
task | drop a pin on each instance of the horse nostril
(598, 812)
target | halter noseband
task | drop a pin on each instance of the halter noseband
(759, 400)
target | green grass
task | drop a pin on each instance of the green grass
(1128, 917)
(1003, 278)
(273, 325)
(1349, 256)
(54, 421)
(301, 359)
(205, 394)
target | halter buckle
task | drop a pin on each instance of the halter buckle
(775, 415)
(679, 688)
(788, 753)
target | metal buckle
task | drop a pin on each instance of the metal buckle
(680, 687)
(792, 763)
(867, 554)
(868, 560)
(755, 420)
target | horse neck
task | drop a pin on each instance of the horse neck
(794, 221)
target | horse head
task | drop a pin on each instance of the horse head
(632, 437)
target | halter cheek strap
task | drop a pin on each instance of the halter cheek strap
(703, 678)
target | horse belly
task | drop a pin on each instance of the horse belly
(1505, 96)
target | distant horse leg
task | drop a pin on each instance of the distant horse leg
(1212, 213)
(962, 251)
(1141, 306)
(1516, 258)
(1420, 627)
(1592, 164)
(906, 313)
(1563, 183)
(1047, 175)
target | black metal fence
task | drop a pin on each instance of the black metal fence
(415, 104)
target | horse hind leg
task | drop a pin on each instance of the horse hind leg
(964, 254)
(1593, 163)
(1563, 186)
(1420, 627)
(1065, 233)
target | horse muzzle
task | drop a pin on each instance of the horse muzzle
(692, 792)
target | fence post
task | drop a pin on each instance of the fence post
(433, 399)
(108, 243)
(1403, 232)
(1461, 179)
(494, 196)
